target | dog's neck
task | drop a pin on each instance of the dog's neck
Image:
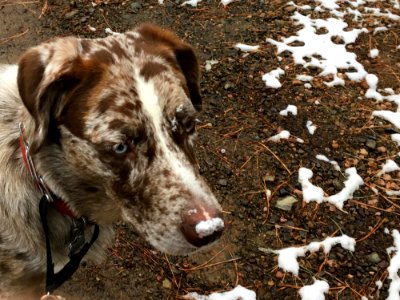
(55, 201)
(78, 246)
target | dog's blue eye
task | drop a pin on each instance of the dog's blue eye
(120, 148)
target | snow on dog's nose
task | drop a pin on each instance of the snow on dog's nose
(201, 224)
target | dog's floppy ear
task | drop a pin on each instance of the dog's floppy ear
(184, 54)
(45, 74)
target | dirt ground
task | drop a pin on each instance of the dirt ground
(239, 114)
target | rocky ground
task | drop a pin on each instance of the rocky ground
(239, 115)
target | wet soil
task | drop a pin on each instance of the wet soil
(239, 115)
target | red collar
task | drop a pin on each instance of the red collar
(55, 201)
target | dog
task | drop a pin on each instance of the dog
(93, 131)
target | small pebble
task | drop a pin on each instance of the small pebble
(381, 149)
(223, 182)
(371, 144)
(71, 14)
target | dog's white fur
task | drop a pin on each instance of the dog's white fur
(81, 102)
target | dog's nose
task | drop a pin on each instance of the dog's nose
(201, 224)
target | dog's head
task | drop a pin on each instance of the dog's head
(114, 121)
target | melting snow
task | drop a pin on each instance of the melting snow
(373, 53)
(304, 77)
(380, 29)
(289, 109)
(372, 93)
(392, 117)
(332, 162)
(321, 50)
(287, 257)
(378, 284)
(238, 293)
(394, 288)
(226, 2)
(314, 193)
(308, 86)
(392, 193)
(315, 291)
(353, 182)
(310, 191)
(247, 48)
(389, 166)
(378, 13)
(310, 127)
(271, 78)
(372, 81)
(284, 134)
(396, 138)
(191, 2)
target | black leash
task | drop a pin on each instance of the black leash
(55, 280)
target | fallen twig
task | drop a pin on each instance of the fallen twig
(373, 230)
(276, 156)
(44, 9)
(13, 37)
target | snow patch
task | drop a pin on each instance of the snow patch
(373, 53)
(318, 50)
(389, 166)
(378, 284)
(308, 86)
(378, 13)
(332, 162)
(396, 138)
(284, 134)
(314, 193)
(287, 257)
(315, 291)
(289, 109)
(392, 117)
(226, 2)
(372, 81)
(310, 191)
(247, 48)
(392, 193)
(311, 127)
(380, 29)
(304, 77)
(238, 293)
(353, 182)
(394, 288)
(271, 78)
(191, 2)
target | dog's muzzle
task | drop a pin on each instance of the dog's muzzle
(201, 224)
